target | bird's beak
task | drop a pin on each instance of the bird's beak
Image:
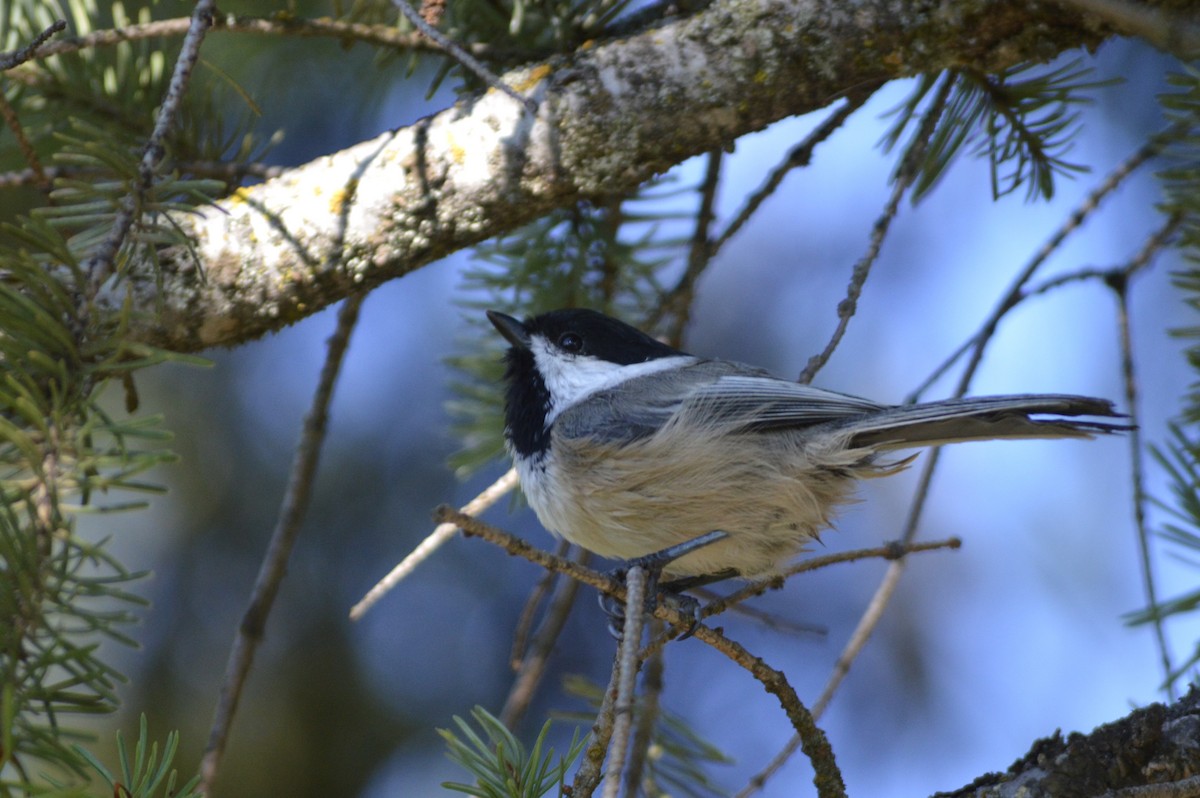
(510, 328)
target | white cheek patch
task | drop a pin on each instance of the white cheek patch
(572, 378)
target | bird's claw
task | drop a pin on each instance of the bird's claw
(654, 563)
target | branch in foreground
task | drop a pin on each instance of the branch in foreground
(627, 664)
(609, 118)
(826, 776)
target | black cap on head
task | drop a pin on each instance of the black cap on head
(596, 335)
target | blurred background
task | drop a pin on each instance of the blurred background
(982, 651)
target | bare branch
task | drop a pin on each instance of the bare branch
(827, 777)
(36, 170)
(905, 175)
(31, 50)
(636, 579)
(100, 266)
(891, 551)
(451, 48)
(647, 717)
(1120, 284)
(800, 156)
(380, 35)
(434, 541)
(279, 549)
(533, 661)
(678, 302)
(814, 744)
(587, 777)
(1017, 290)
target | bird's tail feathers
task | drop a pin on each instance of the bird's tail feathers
(982, 418)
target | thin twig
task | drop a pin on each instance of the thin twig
(7, 62)
(679, 301)
(31, 50)
(1120, 283)
(452, 49)
(636, 579)
(1077, 217)
(274, 565)
(102, 262)
(815, 745)
(890, 551)
(906, 173)
(1138, 480)
(765, 619)
(858, 639)
(24, 144)
(1154, 242)
(529, 613)
(591, 768)
(647, 716)
(827, 777)
(517, 547)
(434, 541)
(533, 662)
(383, 35)
(800, 156)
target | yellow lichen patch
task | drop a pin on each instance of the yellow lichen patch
(457, 151)
(337, 203)
(240, 195)
(535, 76)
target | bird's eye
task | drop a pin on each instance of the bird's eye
(570, 342)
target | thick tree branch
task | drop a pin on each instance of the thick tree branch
(609, 118)
(1152, 751)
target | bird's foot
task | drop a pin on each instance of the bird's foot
(669, 593)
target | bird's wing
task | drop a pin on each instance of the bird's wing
(765, 402)
(728, 395)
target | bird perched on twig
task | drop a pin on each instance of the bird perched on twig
(627, 446)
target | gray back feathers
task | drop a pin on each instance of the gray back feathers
(733, 398)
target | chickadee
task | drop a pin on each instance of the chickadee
(626, 446)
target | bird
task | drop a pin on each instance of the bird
(629, 447)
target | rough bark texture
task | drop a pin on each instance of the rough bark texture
(1155, 745)
(610, 116)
